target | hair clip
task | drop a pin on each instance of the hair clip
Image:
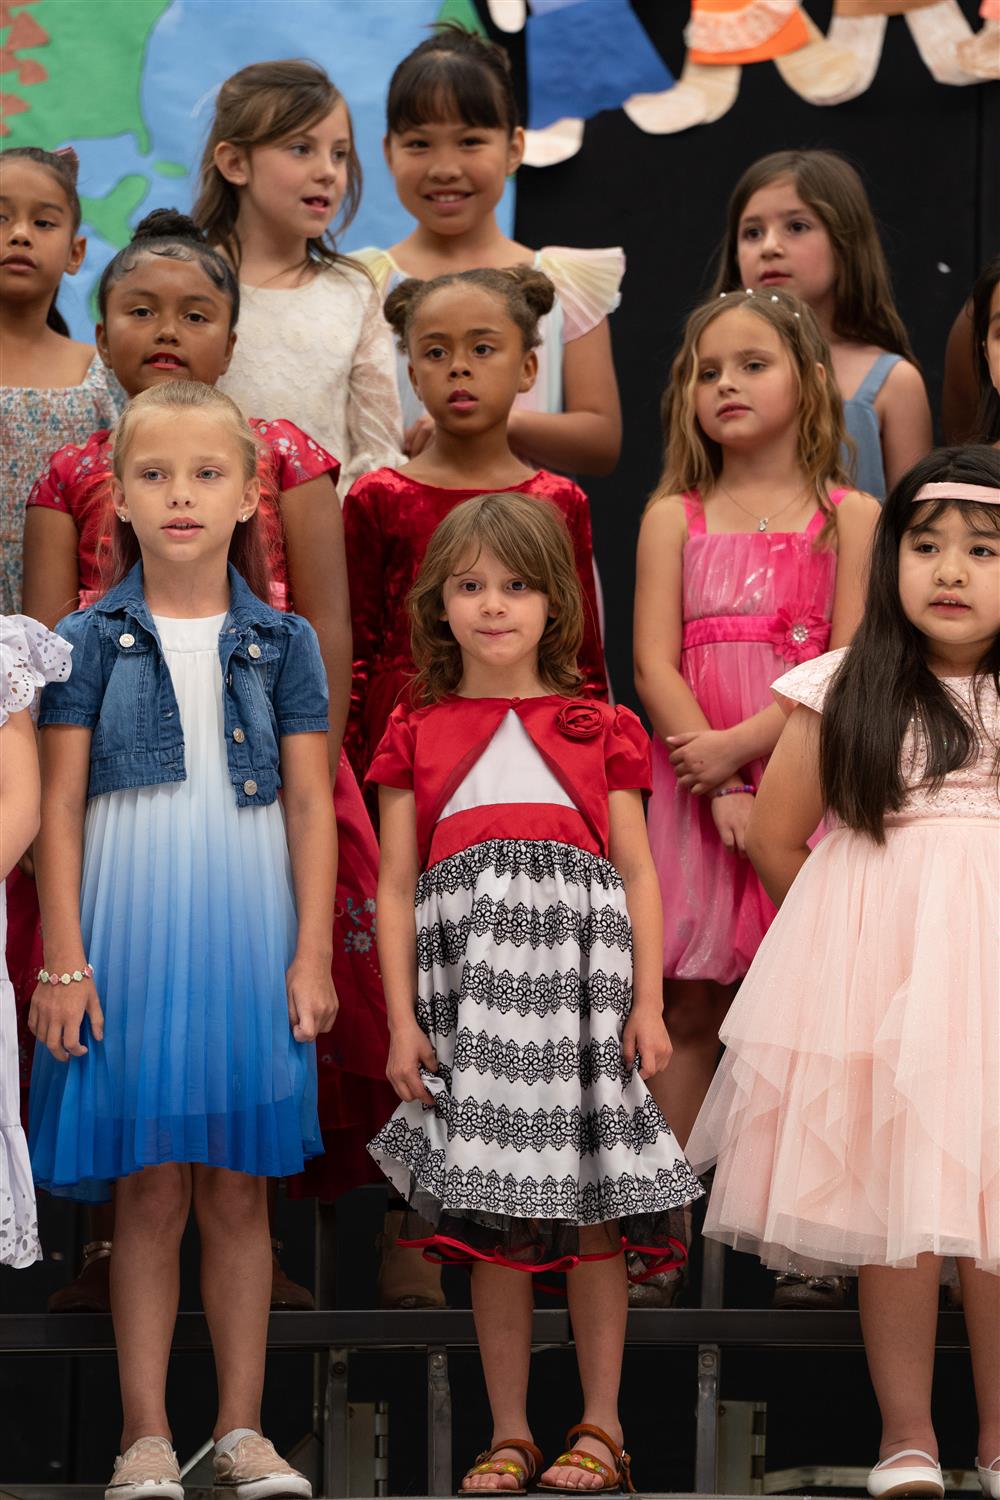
(775, 297)
(749, 291)
(723, 294)
(797, 315)
(68, 156)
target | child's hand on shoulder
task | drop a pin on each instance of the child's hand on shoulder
(731, 816)
(417, 436)
(312, 999)
(56, 1014)
(409, 1050)
(646, 1036)
(703, 758)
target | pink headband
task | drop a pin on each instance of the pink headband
(983, 494)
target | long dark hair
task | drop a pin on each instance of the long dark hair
(988, 415)
(885, 684)
(168, 232)
(64, 166)
(864, 307)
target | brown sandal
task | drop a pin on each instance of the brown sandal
(487, 1464)
(618, 1478)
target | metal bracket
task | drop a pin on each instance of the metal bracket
(438, 1423)
(336, 1455)
(707, 1420)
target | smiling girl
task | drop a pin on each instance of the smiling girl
(801, 222)
(278, 170)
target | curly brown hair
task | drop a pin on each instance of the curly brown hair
(530, 537)
(527, 295)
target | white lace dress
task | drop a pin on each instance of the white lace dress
(321, 356)
(30, 655)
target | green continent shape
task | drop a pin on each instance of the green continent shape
(461, 13)
(110, 215)
(170, 168)
(94, 59)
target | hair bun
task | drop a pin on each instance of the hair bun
(168, 223)
(396, 307)
(536, 288)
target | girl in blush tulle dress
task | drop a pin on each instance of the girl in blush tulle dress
(30, 656)
(187, 915)
(751, 557)
(855, 1118)
(516, 882)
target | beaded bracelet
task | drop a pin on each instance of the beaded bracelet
(44, 977)
(748, 789)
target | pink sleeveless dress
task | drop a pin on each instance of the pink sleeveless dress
(755, 603)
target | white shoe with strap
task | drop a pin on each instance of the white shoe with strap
(890, 1478)
(989, 1478)
(146, 1471)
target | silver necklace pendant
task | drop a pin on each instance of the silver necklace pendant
(762, 524)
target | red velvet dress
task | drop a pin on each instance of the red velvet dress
(354, 1097)
(388, 522)
(524, 986)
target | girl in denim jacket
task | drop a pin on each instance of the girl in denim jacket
(187, 918)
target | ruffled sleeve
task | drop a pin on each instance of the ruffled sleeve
(392, 764)
(588, 283)
(809, 682)
(297, 457)
(30, 656)
(379, 265)
(627, 754)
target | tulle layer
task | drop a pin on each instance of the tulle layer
(855, 1118)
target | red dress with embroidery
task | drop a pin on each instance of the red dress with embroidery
(388, 521)
(524, 986)
(753, 603)
(354, 1098)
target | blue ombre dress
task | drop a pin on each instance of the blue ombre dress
(188, 918)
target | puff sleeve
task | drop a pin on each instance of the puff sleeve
(30, 656)
(392, 763)
(588, 283)
(809, 682)
(627, 753)
(297, 457)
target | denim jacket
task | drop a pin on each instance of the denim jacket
(273, 681)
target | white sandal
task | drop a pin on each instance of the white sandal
(989, 1479)
(907, 1479)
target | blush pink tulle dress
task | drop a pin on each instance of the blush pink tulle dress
(855, 1116)
(754, 603)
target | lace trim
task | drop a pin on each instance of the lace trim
(30, 656)
(737, 30)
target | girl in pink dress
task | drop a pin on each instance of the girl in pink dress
(516, 884)
(751, 556)
(854, 1117)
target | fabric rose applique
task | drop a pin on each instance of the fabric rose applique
(579, 721)
(799, 636)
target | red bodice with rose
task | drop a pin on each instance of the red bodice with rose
(388, 522)
(591, 749)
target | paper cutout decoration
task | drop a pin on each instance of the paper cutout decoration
(584, 56)
(938, 28)
(980, 54)
(725, 35)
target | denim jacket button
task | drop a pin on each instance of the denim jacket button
(126, 640)
(250, 787)
(239, 736)
(252, 650)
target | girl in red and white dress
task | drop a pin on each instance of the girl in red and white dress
(516, 882)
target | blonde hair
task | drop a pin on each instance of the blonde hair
(530, 537)
(248, 550)
(693, 461)
(257, 106)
